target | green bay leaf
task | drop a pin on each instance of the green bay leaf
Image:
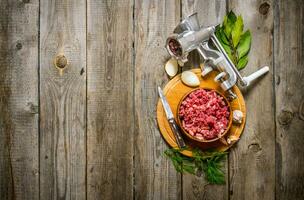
(242, 63)
(217, 33)
(244, 44)
(228, 23)
(237, 30)
(228, 51)
(223, 36)
(232, 16)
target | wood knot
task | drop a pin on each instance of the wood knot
(34, 109)
(264, 8)
(255, 147)
(19, 46)
(285, 117)
(61, 61)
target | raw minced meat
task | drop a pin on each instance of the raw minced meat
(204, 114)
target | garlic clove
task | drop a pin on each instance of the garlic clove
(189, 78)
(180, 63)
(171, 67)
(224, 141)
(237, 116)
(231, 139)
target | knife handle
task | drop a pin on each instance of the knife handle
(177, 133)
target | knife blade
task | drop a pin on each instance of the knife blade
(173, 125)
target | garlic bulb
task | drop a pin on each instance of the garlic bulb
(189, 78)
(171, 67)
(237, 116)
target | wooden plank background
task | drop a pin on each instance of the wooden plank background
(62, 100)
(154, 176)
(88, 131)
(252, 162)
(289, 93)
(110, 105)
(19, 100)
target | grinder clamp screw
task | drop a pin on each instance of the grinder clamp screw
(220, 77)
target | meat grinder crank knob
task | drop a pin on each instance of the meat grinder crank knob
(220, 77)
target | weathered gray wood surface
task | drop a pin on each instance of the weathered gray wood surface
(19, 161)
(62, 100)
(110, 100)
(89, 131)
(155, 177)
(210, 12)
(289, 93)
(252, 161)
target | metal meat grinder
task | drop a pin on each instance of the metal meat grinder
(189, 36)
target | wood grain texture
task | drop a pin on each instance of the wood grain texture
(289, 73)
(110, 100)
(63, 100)
(19, 100)
(210, 12)
(97, 134)
(155, 176)
(252, 162)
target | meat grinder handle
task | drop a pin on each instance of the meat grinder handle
(255, 75)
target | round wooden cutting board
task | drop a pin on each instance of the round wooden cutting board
(175, 90)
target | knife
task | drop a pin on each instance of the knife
(173, 125)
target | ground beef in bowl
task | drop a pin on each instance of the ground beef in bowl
(204, 114)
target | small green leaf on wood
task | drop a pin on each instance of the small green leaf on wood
(232, 17)
(228, 50)
(228, 23)
(218, 32)
(242, 62)
(244, 45)
(237, 31)
(223, 36)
